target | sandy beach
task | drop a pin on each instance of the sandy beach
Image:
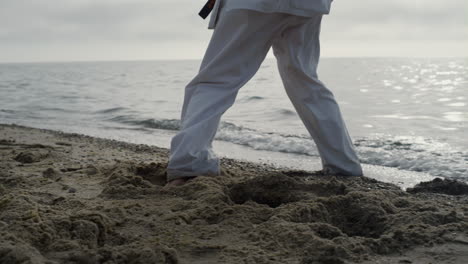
(69, 198)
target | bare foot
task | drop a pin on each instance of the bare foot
(180, 181)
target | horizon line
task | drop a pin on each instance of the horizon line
(268, 58)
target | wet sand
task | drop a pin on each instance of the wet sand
(69, 198)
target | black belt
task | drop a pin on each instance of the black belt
(206, 10)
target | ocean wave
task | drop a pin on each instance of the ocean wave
(406, 153)
(414, 154)
(233, 133)
(8, 111)
(287, 112)
(252, 98)
(167, 124)
(110, 110)
(55, 109)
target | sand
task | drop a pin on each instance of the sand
(69, 198)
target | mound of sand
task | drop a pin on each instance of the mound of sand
(439, 185)
(66, 198)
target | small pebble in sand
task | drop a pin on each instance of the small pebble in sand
(50, 173)
(25, 157)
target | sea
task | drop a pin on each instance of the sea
(408, 117)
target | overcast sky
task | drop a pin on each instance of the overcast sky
(71, 30)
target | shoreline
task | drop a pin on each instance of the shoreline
(228, 150)
(80, 199)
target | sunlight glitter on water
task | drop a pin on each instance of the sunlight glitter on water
(454, 116)
(457, 104)
(444, 100)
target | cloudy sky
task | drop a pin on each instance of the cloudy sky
(72, 30)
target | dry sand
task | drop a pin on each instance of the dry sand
(68, 198)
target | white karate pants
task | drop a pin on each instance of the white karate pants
(239, 44)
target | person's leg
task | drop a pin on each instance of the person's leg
(297, 50)
(238, 46)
